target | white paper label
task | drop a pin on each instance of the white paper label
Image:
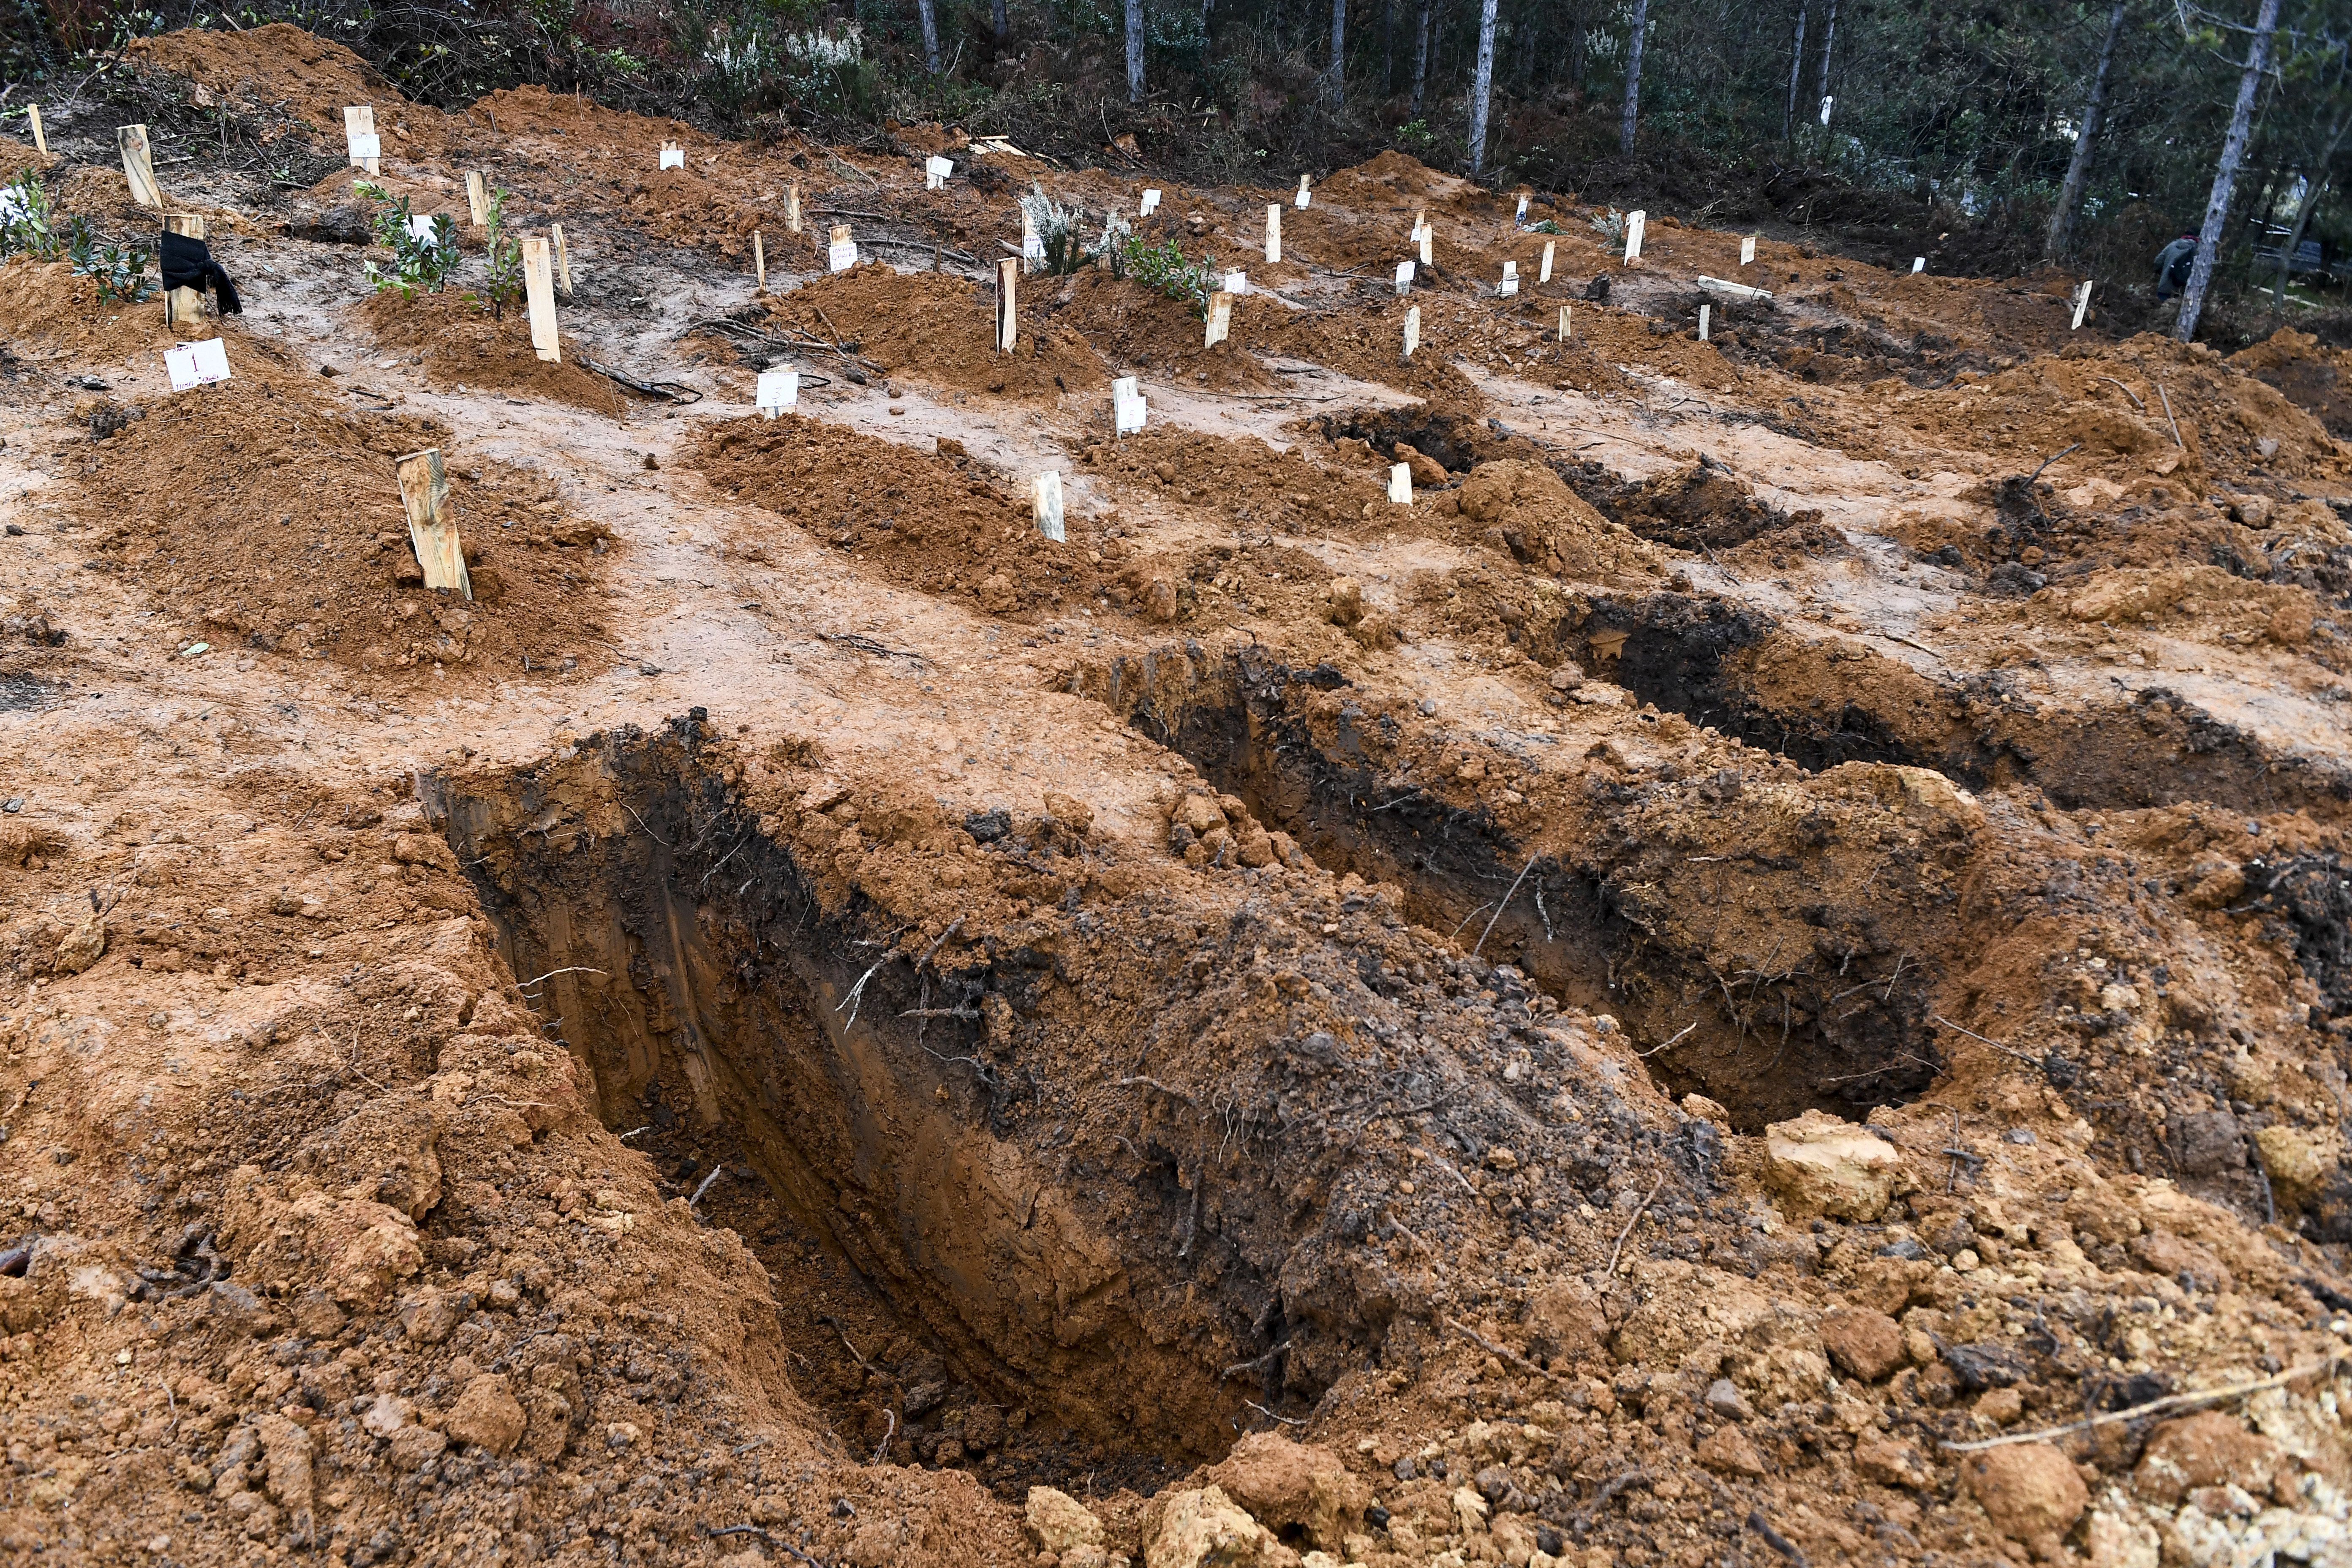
(1150, 203)
(1127, 405)
(421, 226)
(1634, 222)
(779, 390)
(1236, 282)
(1918, 265)
(1412, 330)
(1404, 275)
(1400, 484)
(368, 146)
(1748, 250)
(196, 365)
(935, 171)
(1510, 279)
(1033, 249)
(1301, 200)
(673, 158)
(841, 255)
(1048, 505)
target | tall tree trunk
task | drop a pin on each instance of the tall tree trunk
(1134, 50)
(1829, 41)
(2086, 141)
(2314, 183)
(2233, 149)
(927, 10)
(1579, 24)
(1208, 9)
(1003, 24)
(1387, 48)
(1339, 54)
(1626, 121)
(1482, 87)
(1421, 60)
(1796, 70)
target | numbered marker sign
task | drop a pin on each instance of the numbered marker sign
(1047, 503)
(1405, 276)
(1236, 282)
(935, 171)
(1301, 201)
(1400, 484)
(1032, 244)
(1634, 223)
(196, 365)
(1510, 279)
(1126, 406)
(1150, 203)
(359, 136)
(366, 149)
(779, 390)
(841, 255)
(422, 227)
(672, 157)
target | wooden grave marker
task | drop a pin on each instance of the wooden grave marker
(1272, 232)
(363, 147)
(759, 261)
(433, 522)
(1635, 222)
(1221, 318)
(478, 199)
(1008, 327)
(40, 136)
(1046, 503)
(182, 306)
(562, 258)
(139, 166)
(1412, 330)
(539, 290)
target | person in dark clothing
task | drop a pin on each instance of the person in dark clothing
(2173, 264)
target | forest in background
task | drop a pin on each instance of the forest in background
(1965, 133)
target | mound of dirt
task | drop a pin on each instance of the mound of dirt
(43, 302)
(276, 67)
(460, 344)
(1138, 327)
(2310, 373)
(273, 518)
(1527, 509)
(939, 329)
(934, 522)
(1392, 177)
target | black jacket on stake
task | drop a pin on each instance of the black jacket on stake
(189, 264)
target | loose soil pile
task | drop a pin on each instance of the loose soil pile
(274, 67)
(458, 343)
(943, 329)
(272, 519)
(2311, 374)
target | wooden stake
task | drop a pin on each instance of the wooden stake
(1510, 284)
(1748, 250)
(432, 522)
(1412, 330)
(1273, 231)
(1404, 277)
(1544, 276)
(477, 198)
(1634, 223)
(139, 166)
(1046, 502)
(1428, 244)
(40, 137)
(1918, 265)
(1704, 311)
(1221, 318)
(1301, 201)
(539, 288)
(1032, 245)
(672, 156)
(1563, 323)
(760, 260)
(182, 306)
(562, 258)
(360, 137)
(2082, 305)
(1008, 329)
(1400, 484)
(792, 209)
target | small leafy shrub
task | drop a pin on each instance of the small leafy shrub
(420, 263)
(28, 227)
(502, 285)
(1163, 266)
(119, 270)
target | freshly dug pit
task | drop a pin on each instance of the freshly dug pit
(995, 1174)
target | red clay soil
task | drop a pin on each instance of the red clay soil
(272, 517)
(276, 67)
(459, 343)
(2310, 373)
(941, 329)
